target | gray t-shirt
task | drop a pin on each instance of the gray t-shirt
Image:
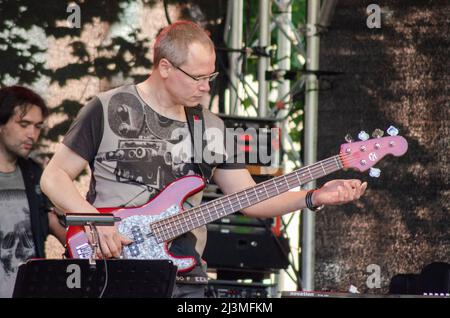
(16, 240)
(134, 153)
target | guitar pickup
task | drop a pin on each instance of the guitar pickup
(138, 237)
(133, 249)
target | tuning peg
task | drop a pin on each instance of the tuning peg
(374, 172)
(363, 135)
(392, 131)
(377, 133)
(348, 138)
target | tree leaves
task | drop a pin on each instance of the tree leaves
(120, 56)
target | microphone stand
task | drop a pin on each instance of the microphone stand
(92, 220)
(94, 245)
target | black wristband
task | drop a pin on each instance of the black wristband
(309, 203)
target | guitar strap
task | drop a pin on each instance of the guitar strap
(195, 114)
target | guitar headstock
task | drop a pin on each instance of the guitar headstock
(363, 155)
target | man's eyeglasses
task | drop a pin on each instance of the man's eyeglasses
(211, 77)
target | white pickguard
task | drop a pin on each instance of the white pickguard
(145, 246)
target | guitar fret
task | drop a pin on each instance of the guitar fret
(168, 231)
(279, 186)
(219, 208)
(324, 172)
(231, 204)
(276, 187)
(223, 208)
(203, 216)
(199, 211)
(172, 230)
(184, 228)
(256, 193)
(214, 210)
(337, 162)
(196, 212)
(194, 218)
(303, 176)
(165, 232)
(238, 201)
(189, 222)
(175, 230)
(207, 210)
(248, 200)
(298, 178)
(265, 189)
(177, 221)
(312, 178)
(261, 193)
(287, 183)
(156, 230)
(190, 219)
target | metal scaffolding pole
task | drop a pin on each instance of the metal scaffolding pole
(263, 62)
(235, 63)
(284, 58)
(284, 54)
(311, 110)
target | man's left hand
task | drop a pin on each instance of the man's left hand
(337, 192)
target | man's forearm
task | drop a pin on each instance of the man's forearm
(284, 203)
(60, 189)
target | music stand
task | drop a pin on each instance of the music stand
(76, 278)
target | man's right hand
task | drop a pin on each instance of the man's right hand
(111, 241)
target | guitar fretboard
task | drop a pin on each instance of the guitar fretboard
(169, 228)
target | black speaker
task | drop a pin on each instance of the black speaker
(406, 284)
(241, 247)
(435, 279)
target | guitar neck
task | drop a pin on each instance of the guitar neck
(228, 204)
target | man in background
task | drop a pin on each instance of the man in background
(25, 215)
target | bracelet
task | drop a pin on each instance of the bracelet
(309, 203)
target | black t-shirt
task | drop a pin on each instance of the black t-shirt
(134, 153)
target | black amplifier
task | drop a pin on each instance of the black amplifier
(232, 289)
(245, 247)
(258, 139)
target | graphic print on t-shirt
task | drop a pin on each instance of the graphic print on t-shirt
(16, 240)
(151, 149)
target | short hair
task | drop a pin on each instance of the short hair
(19, 96)
(174, 40)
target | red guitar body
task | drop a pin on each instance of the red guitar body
(167, 203)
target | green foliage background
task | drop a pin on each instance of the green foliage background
(25, 60)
